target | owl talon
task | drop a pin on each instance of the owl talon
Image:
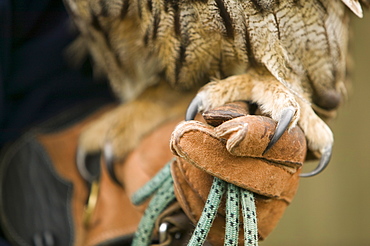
(109, 162)
(81, 165)
(324, 161)
(194, 107)
(88, 164)
(283, 124)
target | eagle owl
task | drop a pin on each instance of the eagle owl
(287, 56)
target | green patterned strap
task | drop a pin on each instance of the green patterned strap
(234, 194)
(153, 185)
(162, 188)
(209, 213)
(159, 202)
(249, 217)
(232, 215)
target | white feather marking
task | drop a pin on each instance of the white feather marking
(355, 6)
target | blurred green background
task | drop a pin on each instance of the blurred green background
(333, 208)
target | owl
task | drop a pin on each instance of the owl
(168, 58)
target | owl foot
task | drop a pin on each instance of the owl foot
(119, 131)
(275, 100)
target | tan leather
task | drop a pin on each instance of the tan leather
(266, 174)
(61, 147)
(113, 203)
(204, 150)
(115, 215)
(147, 159)
(234, 153)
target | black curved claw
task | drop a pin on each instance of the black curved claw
(81, 165)
(109, 162)
(324, 161)
(193, 108)
(283, 123)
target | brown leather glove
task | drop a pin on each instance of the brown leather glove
(233, 151)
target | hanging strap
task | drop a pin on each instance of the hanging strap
(161, 188)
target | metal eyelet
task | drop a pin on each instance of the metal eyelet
(163, 228)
